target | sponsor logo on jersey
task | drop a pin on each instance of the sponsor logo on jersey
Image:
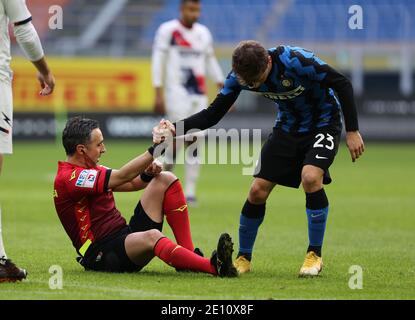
(275, 96)
(86, 179)
(185, 52)
(178, 40)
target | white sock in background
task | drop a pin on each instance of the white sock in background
(2, 251)
(192, 174)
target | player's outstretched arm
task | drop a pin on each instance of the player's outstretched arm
(208, 117)
(204, 119)
(215, 112)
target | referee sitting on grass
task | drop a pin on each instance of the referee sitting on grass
(84, 202)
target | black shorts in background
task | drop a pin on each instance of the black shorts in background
(283, 155)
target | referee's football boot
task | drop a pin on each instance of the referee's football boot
(222, 257)
(9, 272)
(242, 264)
(312, 266)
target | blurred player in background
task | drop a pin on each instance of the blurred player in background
(311, 97)
(183, 53)
(85, 204)
(16, 12)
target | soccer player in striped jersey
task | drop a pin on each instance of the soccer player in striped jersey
(311, 96)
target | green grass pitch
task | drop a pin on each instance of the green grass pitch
(371, 224)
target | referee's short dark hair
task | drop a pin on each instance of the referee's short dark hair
(77, 131)
(249, 60)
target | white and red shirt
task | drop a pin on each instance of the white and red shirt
(86, 208)
(13, 11)
(186, 56)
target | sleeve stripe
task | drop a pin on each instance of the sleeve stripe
(23, 22)
(97, 182)
(107, 179)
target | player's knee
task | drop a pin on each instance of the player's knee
(310, 179)
(258, 194)
(165, 179)
(152, 236)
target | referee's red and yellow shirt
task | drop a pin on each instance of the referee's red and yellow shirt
(85, 206)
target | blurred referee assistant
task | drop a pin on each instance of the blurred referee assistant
(182, 57)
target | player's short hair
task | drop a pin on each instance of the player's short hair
(249, 60)
(77, 131)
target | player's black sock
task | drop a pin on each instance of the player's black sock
(251, 218)
(248, 256)
(316, 200)
(316, 249)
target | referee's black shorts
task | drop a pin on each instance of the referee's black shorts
(109, 254)
(283, 155)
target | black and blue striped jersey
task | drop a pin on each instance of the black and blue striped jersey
(302, 85)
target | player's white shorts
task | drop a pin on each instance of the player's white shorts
(6, 117)
(180, 105)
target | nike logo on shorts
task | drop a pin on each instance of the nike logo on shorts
(318, 157)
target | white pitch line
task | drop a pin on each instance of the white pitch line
(137, 292)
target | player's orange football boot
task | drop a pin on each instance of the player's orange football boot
(242, 264)
(312, 266)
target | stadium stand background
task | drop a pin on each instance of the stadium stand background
(379, 58)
